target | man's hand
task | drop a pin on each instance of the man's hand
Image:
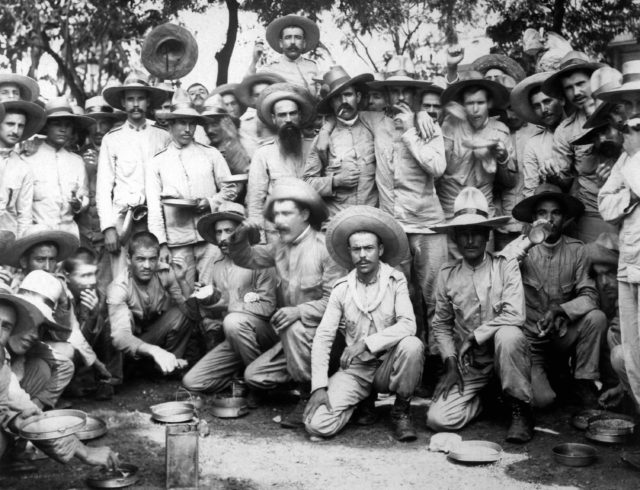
(465, 358)
(318, 397)
(549, 167)
(404, 116)
(242, 233)
(89, 299)
(426, 125)
(603, 171)
(111, 240)
(285, 317)
(258, 51)
(351, 352)
(552, 321)
(612, 397)
(6, 276)
(75, 202)
(165, 254)
(101, 370)
(98, 456)
(455, 55)
(499, 152)
(202, 206)
(451, 377)
(179, 266)
(347, 177)
(166, 361)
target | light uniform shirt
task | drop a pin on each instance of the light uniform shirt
(538, 150)
(193, 171)
(301, 71)
(58, 175)
(124, 155)
(16, 193)
(253, 132)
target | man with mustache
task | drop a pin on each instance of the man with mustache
(305, 275)
(198, 93)
(124, 155)
(348, 175)
(286, 109)
(563, 318)
(291, 35)
(241, 300)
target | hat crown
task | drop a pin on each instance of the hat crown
(608, 240)
(58, 104)
(97, 104)
(214, 106)
(574, 58)
(605, 78)
(137, 77)
(400, 65)
(44, 284)
(631, 71)
(232, 207)
(335, 76)
(471, 200)
(180, 100)
(547, 188)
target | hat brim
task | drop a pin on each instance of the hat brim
(600, 116)
(243, 91)
(65, 242)
(206, 224)
(29, 317)
(157, 64)
(29, 88)
(292, 189)
(520, 97)
(502, 62)
(470, 220)
(552, 85)
(225, 88)
(627, 89)
(365, 219)
(266, 103)
(35, 116)
(499, 93)
(525, 209)
(417, 84)
(80, 122)
(113, 95)
(113, 116)
(597, 254)
(310, 28)
(324, 106)
(186, 114)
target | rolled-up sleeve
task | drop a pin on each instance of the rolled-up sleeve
(121, 321)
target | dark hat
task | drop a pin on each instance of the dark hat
(338, 79)
(227, 210)
(310, 28)
(520, 96)
(66, 243)
(290, 188)
(169, 52)
(35, 116)
(97, 108)
(570, 63)
(498, 92)
(604, 250)
(508, 65)
(525, 209)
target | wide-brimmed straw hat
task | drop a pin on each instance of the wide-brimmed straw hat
(169, 52)
(97, 108)
(525, 209)
(630, 83)
(310, 28)
(471, 208)
(604, 250)
(243, 90)
(225, 88)
(373, 220)
(214, 106)
(28, 316)
(66, 243)
(29, 89)
(135, 81)
(520, 96)
(502, 62)
(182, 108)
(499, 94)
(337, 79)
(570, 63)
(285, 91)
(60, 108)
(290, 188)
(43, 290)
(35, 116)
(227, 210)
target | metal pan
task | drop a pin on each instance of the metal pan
(237, 178)
(53, 424)
(125, 476)
(580, 420)
(574, 454)
(179, 203)
(611, 425)
(476, 452)
(606, 438)
(173, 412)
(95, 427)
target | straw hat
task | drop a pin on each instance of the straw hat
(365, 218)
(310, 28)
(60, 108)
(471, 208)
(29, 89)
(604, 250)
(571, 62)
(214, 106)
(285, 91)
(520, 96)
(337, 79)
(400, 80)
(65, 242)
(290, 188)
(135, 81)
(525, 209)
(630, 83)
(508, 65)
(226, 88)
(498, 92)
(43, 290)
(243, 91)
(28, 316)
(227, 210)
(35, 116)
(97, 108)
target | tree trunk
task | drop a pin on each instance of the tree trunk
(223, 57)
(558, 15)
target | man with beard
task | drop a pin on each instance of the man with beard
(124, 155)
(285, 108)
(305, 275)
(562, 302)
(292, 35)
(242, 300)
(348, 176)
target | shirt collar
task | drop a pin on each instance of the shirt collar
(302, 236)
(137, 128)
(482, 264)
(350, 122)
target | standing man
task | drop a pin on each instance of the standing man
(198, 93)
(372, 305)
(348, 177)
(478, 325)
(124, 155)
(305, 274)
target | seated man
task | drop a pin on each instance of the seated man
(148, 310)
(563, 318)
(243, 302)
(478, 325)
(20, 320)
(372, 305)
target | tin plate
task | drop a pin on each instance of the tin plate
(476, 452)
(53, 424)
(125, 476)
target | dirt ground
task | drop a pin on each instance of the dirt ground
(255, 453)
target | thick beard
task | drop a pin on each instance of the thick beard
(290, 137)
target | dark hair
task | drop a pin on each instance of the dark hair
(197, 84)
(379, 241)
(534, 91)
(472, 89)
(142, 239)
(17, 111)
(82, 256)
(304, 33)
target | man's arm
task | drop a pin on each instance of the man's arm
(444, 318)
(264, 285)
(121, 319)
(313, 172)
(257, 187)
(153, 188)
(311, 312)
(586, 298)
(24, 203)
(617, 197)
(429, 154)
(531, 167)
(105, 182)
(250, 257)
(225, 192)
(323, 340)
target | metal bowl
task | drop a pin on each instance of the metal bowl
(179, 202)
(125, 476)
(574, 454)
(611, 425)
(228, 407)
(476, 452)
(94, 428)
(173, 412)
(606, 438)
(580, 420)
(53, 424)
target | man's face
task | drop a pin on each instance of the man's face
(135, 104)
(630, 105)
(9, 91)
(548, 109)
(214, 130)
(472, 242)
(83, 277)
(365, 249)
(376, 101)
(285, 111)
(198, 94)
(606, 283)
(231, 104)
(289, 220)
(431, 103)
(494, 74)
(345, 104)
(398, 95)
(20, 343)
(59, 132)
(144, 262)
(11, 129)
(577, 89)
(182, 130)
(476, 104)
(40, 258)
(223, 229)
(256, 90)
(292, 42)
(99, 129)
(8, 319)
(552, 212)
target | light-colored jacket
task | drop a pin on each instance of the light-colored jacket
(16, 194)
(538, 150)
(300, 71)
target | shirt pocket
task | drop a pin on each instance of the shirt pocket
(567, 291)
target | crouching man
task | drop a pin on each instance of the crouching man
(478, 325)
(372, 305)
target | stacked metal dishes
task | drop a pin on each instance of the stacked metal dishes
(580, 420)
(53, 424)
(610, 429)
(173, 412)
(574, 454)
(476, 452)
(229, 407)
(94, 428)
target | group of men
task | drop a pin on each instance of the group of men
(339, 236)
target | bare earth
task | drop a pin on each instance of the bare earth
(255, 453)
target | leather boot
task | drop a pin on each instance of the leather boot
(401, 420)
(521, 428)
(365, 413)
(294, 419)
